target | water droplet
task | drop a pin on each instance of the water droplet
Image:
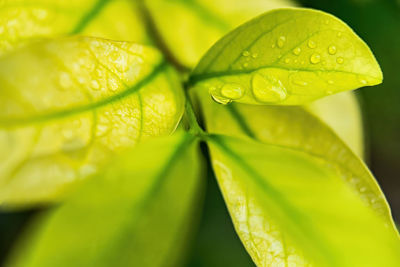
(339, 34)
(340, 60)
(267, 90)
(363, 189)
(95, 85)
(295, 61)
(245, 65)
(296, 51)
(363, 81)
(281, 41)
(246, 53)
(287, 60)
(326, 22)
(315, 58)
(300, 82)
(112, 84)
(221, 100)
(330, 82)
(65, 80)
(332, 49)
(254, 55)
(312, 44)
(273, 45)
(232, 91)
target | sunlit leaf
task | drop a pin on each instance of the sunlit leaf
(22, 21)
(297, 129)
(343, 114)
(68, 106)
(290, 209)
(286, 57)
(137, 212)
(197, 24)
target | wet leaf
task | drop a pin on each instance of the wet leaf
(286, 57)
(70, 105)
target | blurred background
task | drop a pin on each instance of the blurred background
(378, 23)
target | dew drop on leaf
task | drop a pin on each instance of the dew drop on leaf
(232, 91)
(296, 51)
(246, 53)
(95, 85)
(340, 60)
(221, 100)
(315, 58)
(254, 55)
(267, 90)
(65, 80)
(281, 41)
(311, 44)
(300, 82)
(332, 49)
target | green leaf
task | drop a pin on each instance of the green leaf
(297, 129)
(59, 126)
(286, 57)
(290, 209)
(135, 213)
(343, 114)
(24, 21)
(197, 24)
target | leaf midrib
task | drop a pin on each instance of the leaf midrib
(17, 122)
(89, 16)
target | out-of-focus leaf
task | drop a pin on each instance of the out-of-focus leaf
(67, 106)
(197, 24)
(286, 57)
(137, 212)
(342, 113)
(290, 209)
(297, 129)
(22, 21)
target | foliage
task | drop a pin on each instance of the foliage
(86, 86)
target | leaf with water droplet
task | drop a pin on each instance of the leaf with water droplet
(301, 46)
(116, 110)
(152, 197)
(283, 136)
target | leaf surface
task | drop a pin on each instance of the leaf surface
(136, 212)
(197, 24)
(70, 105)
(23, 21)
(290, 209)
(298, 129)
(286, 57)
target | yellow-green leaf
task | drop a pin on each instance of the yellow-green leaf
(290, 209)
(69, 105)
(137, 212)
(343, 114)
(286, 57)
(297, 129)
(23, 21)
(197, 24)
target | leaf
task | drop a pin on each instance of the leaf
(295, 128)
(343, 114)
(197, 24)
(135, 213)
(286, 57)
(290, 209)
(70, 105)
(24, 21)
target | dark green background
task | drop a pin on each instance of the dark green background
(378, 23)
